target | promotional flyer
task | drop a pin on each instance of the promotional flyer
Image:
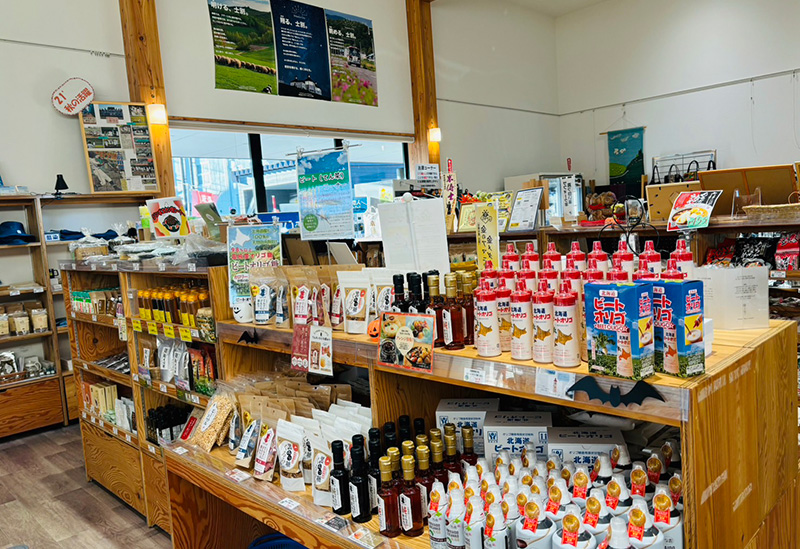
(325, 196)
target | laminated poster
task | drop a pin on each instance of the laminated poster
(407, 341)
(692, 210)
(325, 196)
(251, 246)
(168, 217)
(525, 213)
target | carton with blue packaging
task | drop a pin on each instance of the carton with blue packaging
(619, 329)
(466, 411)
(679, 341)
(512, 430)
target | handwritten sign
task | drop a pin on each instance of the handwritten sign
(450, 194)
(487, 236)
(72, 96)
(427, 172)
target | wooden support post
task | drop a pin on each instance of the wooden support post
(146, 77)
(423, 82)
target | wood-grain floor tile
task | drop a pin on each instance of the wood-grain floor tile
(20, 527)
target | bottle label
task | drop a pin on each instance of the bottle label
(413, 310)
(406, 518)
(591, 519)
(552, 506)
(336, 493)
(355, 508)
(530, 524)
(566, 347)
(570, 538)
(638, 489)
(543, 332)
(447, 327)
(455, 532)
(661, 516)
(612, 502)
(635, 532)
(373, 492)
(381, 514)
(423, 493)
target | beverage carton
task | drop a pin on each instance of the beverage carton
(466, 411)
(619, 328)
(512, 430)
(582, 445)
(678, 319)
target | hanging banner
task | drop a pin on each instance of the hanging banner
(626, 159)
(325, 196)
(250, 246)
(487, 236)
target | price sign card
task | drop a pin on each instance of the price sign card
(407, 341)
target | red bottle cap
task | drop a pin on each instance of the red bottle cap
(570, 272)
(575, 253)
(526, 273)
(511, 253)
(488, 271)
(548, 272)
(592, 273)
(672, 272)
(522, 294)
(531, 255)
(644, 273)
(597, 251)
(682, 252)
(544, 295)
(616, 274)
(485, 292)
(551, 253)
(566, 297)
(623, 252)
(503, 291)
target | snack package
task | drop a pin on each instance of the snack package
(290, 454)
(262, 288)
(310, 427)
(267, 449)
(355, 292)
(282, 311)
(213, 421)
(235, 431)
(247, 446)
(322, 463)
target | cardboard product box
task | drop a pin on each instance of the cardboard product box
(111, 397)
(466, 411)
(679, 333)
(98, 398)
(619, 329)
(512, 430)
(582, 445)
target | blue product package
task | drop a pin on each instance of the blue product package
(619, 329)
(679, 338)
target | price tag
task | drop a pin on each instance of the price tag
(94, 421)
(113, 266)
(115, 430)
(237, 476)
(162, 267)
(83, 414)
(162, 387)
(73, 266)
(186, 334)
(777, 274)
(38, 290)
(365, 538)
(102, 425)
(192, 267)
(13, 293)
(152, 328)
(475, 375)
(94, 318)
(151, 448)
(289, 503)
(127, 437)
(73, 314)
(180, 451)
(195, 334)
(169, 331)
(94, 266)
(137, 325)
(194, 398)
(554, 384)
(136, 378)
(136, 266)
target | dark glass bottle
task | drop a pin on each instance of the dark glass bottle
(388, 511)
(400, 305)
(375, 434)
(416, 303)
(435, 307)
(437, 459)
(469, 309)
(340, 480)
(452, 317)
(468, 456)
(360, 505)
(397, 477)
(452, 463)
(419, 426)
(403, 428)
(425, 478)
(374, 472)
(358, 441)
(410, 501)
(389, 434)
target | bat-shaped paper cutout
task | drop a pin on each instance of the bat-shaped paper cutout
(248, 338)
(637, 395)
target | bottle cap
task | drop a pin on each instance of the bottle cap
(472, 488)
(575, 247)
(620, 457)
(423, 457)
(551, 248)
(407, 447)
(394, 455)
(374, 449)
(419, 426)
(558, 491)
(570, 272)
(548, 271)
(454, 481)
(639, 515)
(521, 294)
(358, 440)
(485, 293)
(357, 457)
(568, 472)
(337, 452)
(510, 486)
(596, 502)
(421, 440)
(475, 512)
(616, 274)
(385, 465)
(603, 465)
(494, 518)
(511, 249)
(449, 429)
(566, 297)
(493, 494)
(374, 434)
(389, 427)
(503, 291)
(488, 270)
(619, 534)
(544, 295)
(438, 500)
(572, 519)
(617, 488)
(450, 444)
(455, 500)
(482, 465)
(553, 462)
(398, 280)
(408, 467)
(435, 434)
(597, 250)
(471, 474)
(509, 506)
(467, 435)
(433, 285)
(437, 450)
(672, 272)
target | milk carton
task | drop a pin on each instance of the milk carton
(466, 411)
(678, 319)
(512, 430)
(619, 328)
(582, 445)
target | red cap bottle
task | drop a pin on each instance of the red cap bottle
(592, 273)
(507, 274)
(526, 274)
(573, 275)
(600, 257)
(566, 295)
(577, 256)
(683, 258)
(644, 273)
(616, 274)
(487, 334)
(512, 257)
(503, 294)
(532, 256)
(625, 257)
(672, 272)
(489, 275)
(553, 255)
(549, 276)
(652, 257)
(543, 323)
(521, 337)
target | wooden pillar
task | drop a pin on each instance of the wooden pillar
(423, 82)
(146, 77)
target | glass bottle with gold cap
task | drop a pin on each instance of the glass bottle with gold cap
(397, 477)
(421, 440)
(435, 307)
(452, 316)
(410, 501)
(469, 308)
(388, 512)
(452, 463)
(435, 434)
(407, 449)
(437, 462)
(425, 478)
(468, 456)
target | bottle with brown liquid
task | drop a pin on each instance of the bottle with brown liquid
(435, 434)
(468, 456)
(388, 511)
(435, 307)
(452, 463)
(170, 311)
(397, 477)
(144, 305)
(452, 316)
(437, 462)
(410, 501)
(468, 304)
(425, 478)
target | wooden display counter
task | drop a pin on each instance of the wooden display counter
(737, 423)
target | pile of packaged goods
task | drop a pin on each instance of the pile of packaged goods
(190, 366)
(118, 363)
(18, 319)
(102, 301)
(187, 304)
(102, 400)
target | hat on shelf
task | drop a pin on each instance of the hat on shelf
(12, 233)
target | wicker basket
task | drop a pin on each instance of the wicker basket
(775, 213)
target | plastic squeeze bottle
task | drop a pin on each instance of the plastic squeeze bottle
(521, 323)
(684, 259)
(652, 256)
(600, 257)
(487, 325)
(566, 345)
(553, 255)
(543, 324)
(532, 256)
(512, 257)
(577, 256)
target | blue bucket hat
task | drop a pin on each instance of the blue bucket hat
(13, 233)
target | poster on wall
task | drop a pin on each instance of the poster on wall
(325, 196)
(250, 246)
(283, 47)
(626, 159)
(302, 50)
(119, 154)
(354, 77)
(244, 45)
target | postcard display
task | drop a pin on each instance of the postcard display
(119, 151)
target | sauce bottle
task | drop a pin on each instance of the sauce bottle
(553, 255)
(416, 304)
(468, 456)
(531, 256)
(512, 257)
(340, 479)
(549, 275)
(144, 305)
(503, 294)
(507, 276)
(452, 462)
(468, 304)
(437, 462)
(487, 325)
(474, 523)
(625, 258)
(388, 510)
(566, 347)
(438, 508)
(577, 256)
(490, 275)
(683, 258)
(399, 305)
(672, 272)
(360, 504)
(600, 257)
(452, 317)
(410, 501)
(424, 478)
(496, 532)
(652, 256)
(521, 324)
(617, 273)
(543, 324)
(374, 471)
(644, 273)
(455, 519)
(435, 307)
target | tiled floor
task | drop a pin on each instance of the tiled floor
(45, 501)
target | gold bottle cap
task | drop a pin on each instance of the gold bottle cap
(435, 434)
(449, 428)
(408, 468)
(467, 435)
(460, 280)
(451, 291)
(423, 457)
(421, 440)
(450, 444)
(394, 454)
(408, 448)
(385, 466)
(433, 285)
(437, 450)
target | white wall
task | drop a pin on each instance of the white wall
(495, 74)
(187, 52)
(624, 50)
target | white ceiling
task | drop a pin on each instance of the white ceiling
(556, 8)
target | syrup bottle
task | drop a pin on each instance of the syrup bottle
(487, 325)
(410, 501)
(435, 307)
(400, 305)
(452, 317)
(625, 258)
(577, 256)
(553, 255)
(468, 304)
(503, 294)
(512, 257)
(438, 509)
(600, 257)
(388, 509)
(374, 472)
(424, 478)
(490, 275)
(468, 456)
(360, 505)
(340, 480)
(543, 324)
(549, 275)
(521, 324)
(437, 462)
(652, 256)
(566, 348)
(452, 462)
(531, 256)
(683, 258)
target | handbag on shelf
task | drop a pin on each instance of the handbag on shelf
(691, 175)
(712, 165)
(656, 177)
(673, 178)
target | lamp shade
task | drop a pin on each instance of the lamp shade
(61, 184)
(157, 114)
(435, 135)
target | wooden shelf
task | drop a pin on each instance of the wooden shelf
(20, 246)
(100, 320)
(172, 391)
(121, 434)
(7, 292)
(159, 328)
(112, 198)
(111, 375)
(9, 340)
(58, 242)
(262, 501)
(113, 265)
(29, 381)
